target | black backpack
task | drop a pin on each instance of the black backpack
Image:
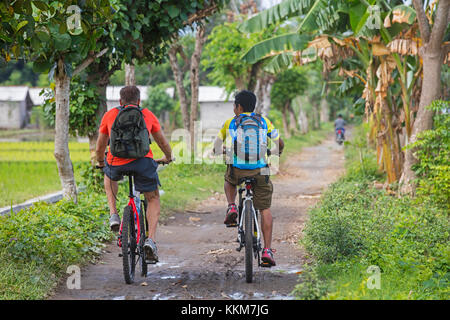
(129, 134)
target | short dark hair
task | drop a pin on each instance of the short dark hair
(130, 94)
(246, 99)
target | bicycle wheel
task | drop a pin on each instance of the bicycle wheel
(128, 245)
(143, 226)
(248, 225)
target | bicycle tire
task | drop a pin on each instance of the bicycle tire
(248, 225)
(142, 220)
(128, 245)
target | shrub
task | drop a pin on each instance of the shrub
(40, 242)
(432, 150)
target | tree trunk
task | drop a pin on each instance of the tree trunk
(240, 84)
(292, 120)
(130, 76)
(285, 121)
(316, 116)
(259, 95)
(266, 96)
(253, 76)
(62, 155)
(178, 76)
(303, 121)
(324, 110)
(432, 55)
(324, 107)
(200, 38)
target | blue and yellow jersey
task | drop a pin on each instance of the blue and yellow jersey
(230, 126)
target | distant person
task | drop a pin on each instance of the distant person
(339, 124)
(146, 178)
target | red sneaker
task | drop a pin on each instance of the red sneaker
(267, 258)
(230, 219)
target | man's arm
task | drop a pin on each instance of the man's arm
(102, 142)
(164, 145)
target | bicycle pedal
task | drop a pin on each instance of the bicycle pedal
(232, 225)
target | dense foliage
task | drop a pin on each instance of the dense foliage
(433, 151)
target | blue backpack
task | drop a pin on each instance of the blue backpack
(249, 141)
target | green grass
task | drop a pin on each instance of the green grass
(28, 169)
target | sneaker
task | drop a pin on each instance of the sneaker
(114, 222)
(230, 219)
(267, 258)
(151, 252)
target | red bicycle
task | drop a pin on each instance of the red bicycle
(133, 233)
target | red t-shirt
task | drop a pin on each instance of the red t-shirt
(105, 127)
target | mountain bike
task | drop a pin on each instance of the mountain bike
(249, 233)
(133, 231)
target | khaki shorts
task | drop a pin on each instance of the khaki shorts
(262, 192)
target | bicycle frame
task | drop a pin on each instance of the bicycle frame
(242, 206)
(132, 204)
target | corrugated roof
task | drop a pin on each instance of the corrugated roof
(13, 93)
(212, 94)
(35, 97)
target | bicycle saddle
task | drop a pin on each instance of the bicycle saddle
(250, 180)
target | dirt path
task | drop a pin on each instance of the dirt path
(197, 252)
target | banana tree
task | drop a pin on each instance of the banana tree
(355, 30)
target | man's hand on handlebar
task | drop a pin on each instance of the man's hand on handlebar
(164, 160)
(100, 164)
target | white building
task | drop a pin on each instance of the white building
(113, 95)
(215, 107)
(15, 107)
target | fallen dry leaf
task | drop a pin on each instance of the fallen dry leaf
(219, 251)
(194, 219)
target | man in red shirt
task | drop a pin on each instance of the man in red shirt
(146, 178)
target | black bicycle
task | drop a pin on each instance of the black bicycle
(249, 233)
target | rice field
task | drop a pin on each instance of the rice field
(28, 169)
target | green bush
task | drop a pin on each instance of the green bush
(39, 243)
(432, 150)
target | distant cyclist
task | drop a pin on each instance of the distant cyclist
(146, 177)
(244, 105)
(339, 124)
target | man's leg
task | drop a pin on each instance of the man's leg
(153, 212)
(267, 226)
(111, 188)
(231, 216)
(230, 192)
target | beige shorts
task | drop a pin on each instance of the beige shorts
(262, 191)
